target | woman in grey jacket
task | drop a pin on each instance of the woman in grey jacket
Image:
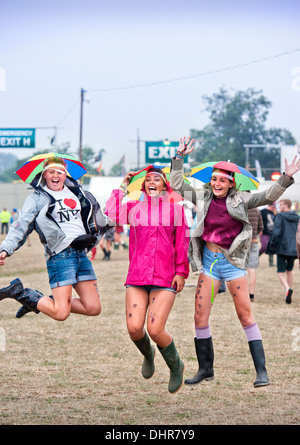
(219, 249)
(69, 222)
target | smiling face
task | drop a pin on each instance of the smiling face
(220, 184)
(55, 177)
(154, 184)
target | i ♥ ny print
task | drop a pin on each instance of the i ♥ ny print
(69, 202)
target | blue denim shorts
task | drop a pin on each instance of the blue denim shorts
(221, 269)
(69, 267)
(151, 287)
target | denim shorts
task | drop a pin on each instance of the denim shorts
(69, 267)
(151, 287)
(222, 268)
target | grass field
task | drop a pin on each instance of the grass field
(86, 371)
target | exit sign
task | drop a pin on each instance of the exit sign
(17, 137)
(161, 152)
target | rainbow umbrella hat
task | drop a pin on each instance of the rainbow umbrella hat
(34, 166)
(244, 180)
(135, 185)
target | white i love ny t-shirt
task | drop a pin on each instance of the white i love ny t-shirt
(66, 213)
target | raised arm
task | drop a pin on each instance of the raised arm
(274, 192)
(176, 177)
(114, 208)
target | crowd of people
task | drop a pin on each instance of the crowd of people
(222, 246)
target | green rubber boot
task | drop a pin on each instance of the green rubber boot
(176, 366)
(148, 352)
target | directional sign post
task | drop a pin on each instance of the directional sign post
(17, 137)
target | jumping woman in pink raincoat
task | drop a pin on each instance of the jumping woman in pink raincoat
(158, 267)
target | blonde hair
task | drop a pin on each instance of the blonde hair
(55, 160)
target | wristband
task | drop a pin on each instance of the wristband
(179, 155)
(289, 177)
(123, 187)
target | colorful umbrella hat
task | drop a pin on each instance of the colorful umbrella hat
(244, 180)
(35, 165)
(136, 182)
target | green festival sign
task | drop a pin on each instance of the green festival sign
(161, 151)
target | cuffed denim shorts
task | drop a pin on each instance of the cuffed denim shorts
(69, 267)
(151, 287)
(222, 268)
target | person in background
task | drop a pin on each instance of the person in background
(268, 215)
(5, 219)
(298, 242)
(283, 244)
(118, 241)
(14, 216)
(106, 243)
(256, 221)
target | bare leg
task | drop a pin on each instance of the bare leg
(284, 280)
(63, 304)
(88, 302)
(136, 309)
(203, 299)
(239, 290)
(160, 305)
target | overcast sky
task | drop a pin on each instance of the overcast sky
(144, 65)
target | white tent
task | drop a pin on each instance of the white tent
(102, 186)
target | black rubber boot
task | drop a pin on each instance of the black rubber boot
(175, 365)
(107, 256)
(23, 309)
(26, 297)
(258, 355)
(148, 352)
(12, 290)
(205, 356)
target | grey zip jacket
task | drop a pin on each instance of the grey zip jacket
(36, 215)
(237, 203)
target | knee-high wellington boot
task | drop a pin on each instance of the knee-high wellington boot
(175, 365)
(148, 352)
(205, 356)
(26, 297)
(258, 355)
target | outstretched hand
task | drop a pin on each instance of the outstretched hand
(185, 147)
(3, 255)
(291, 169)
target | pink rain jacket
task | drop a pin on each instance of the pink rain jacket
(158, 240)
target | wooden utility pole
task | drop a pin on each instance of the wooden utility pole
(82, 91)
